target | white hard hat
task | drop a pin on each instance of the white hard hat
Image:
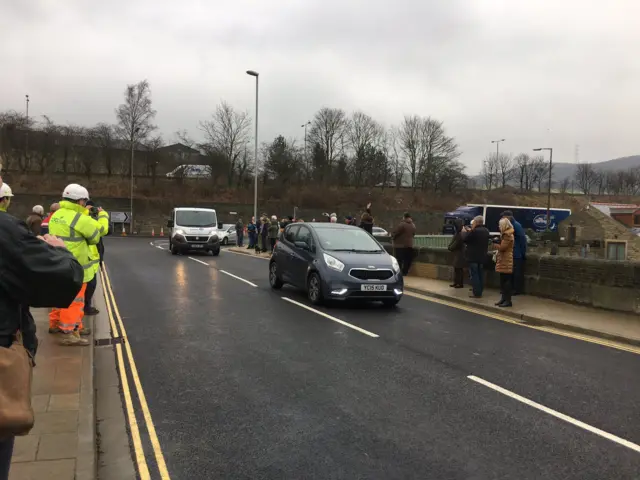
(5, 191)
(75, 192)
(38, 210)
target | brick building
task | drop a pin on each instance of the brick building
(606, 236)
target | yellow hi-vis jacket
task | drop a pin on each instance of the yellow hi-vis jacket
(73, 225)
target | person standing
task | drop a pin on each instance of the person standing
(456, 247)
(519, 252)
(78, 230)
(34, 272)
(476, 240)
(504, 261)
(264, 232)
(251, 232)
(35, 220)
(44, 226)
(402, 237)
(239, 232)
(366, 220)
(274, 230)
(5, 197)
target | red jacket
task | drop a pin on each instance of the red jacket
(44, 226)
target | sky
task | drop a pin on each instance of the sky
(543, 73)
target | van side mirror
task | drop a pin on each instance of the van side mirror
(220, 226)
(302, 246)
(170, 224)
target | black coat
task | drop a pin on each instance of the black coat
(32, 274)
(477, 241)
(457, 248)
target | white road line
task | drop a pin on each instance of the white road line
(199, 261)
(238, 278)
(158, 246)
(561, 416)
(342, 322)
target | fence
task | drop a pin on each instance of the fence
(432, 241)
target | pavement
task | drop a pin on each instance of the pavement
(243, 382)
(61, 445)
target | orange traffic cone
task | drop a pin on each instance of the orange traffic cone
(161, 231)
(153, 232)
(124, 234)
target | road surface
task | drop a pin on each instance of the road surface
(243, 382)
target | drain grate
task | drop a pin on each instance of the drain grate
(101, 342)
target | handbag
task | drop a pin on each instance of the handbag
(16, 371)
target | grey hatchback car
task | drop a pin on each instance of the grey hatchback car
(333, 261)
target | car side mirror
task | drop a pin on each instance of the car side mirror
(220, 226)
(170, 224)
(302, 245)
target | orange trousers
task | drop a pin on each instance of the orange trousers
(70, 318)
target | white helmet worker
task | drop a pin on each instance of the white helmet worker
(5, 191)
(38, 210)
(73, 191)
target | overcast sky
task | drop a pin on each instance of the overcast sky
(554, 73)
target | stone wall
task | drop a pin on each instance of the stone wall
(592, 282)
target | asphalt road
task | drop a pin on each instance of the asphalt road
(242, 384)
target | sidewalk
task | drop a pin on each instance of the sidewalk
(247, 251)
(538, 311)
(61, 445)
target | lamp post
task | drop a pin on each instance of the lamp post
(549, 187)
(306, 155)
(26, 139)
(497, 142)
(133, 142)
(255, 153)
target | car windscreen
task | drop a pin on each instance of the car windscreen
(196, 218)
(347, 240)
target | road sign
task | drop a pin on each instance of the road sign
(119, 217)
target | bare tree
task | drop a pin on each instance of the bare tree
(600, 182)
(328, 130)
(364, 134)
(490, 171)
(86, 145)
(523, 167)
(585, 177)
(505, 168)
(438, 155)
(105, 140)
(69, 145)
(564, 185)
(14, 131)
(135, 116)
(153, 156)
(539, 172)
(409, 137)
(44, 146)
(227, 136)
(397, 166)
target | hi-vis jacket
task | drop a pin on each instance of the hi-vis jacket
(72, 224)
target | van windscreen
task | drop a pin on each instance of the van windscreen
(196, 218)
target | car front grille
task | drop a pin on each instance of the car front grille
(368, 274)
(199, 238)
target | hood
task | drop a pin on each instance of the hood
(363, 260)
(407, 220)
(199, 230)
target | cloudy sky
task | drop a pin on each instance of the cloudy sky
(555, 73)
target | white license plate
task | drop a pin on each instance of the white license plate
(197, 246)
(373, 288)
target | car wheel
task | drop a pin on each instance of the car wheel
(390, 303)
(314, 289)
(173, 249)
(215, 252)
(275, 282)
(225, 241)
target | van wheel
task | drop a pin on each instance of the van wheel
(225, 241)
(215, 252)
(314, 289)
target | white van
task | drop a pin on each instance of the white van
(193, 229)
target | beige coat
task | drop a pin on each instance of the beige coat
(504, 259)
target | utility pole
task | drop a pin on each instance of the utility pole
(253, 73)
(134, 131)
(306, 154)
(26, 147)
(549, 187)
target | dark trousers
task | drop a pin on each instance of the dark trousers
(265, 242)
(272, 242)
(252, 239)
(506, 280)
(476, 272)
(6, 451)
(458, 276)
(518, 276)
(404, 255)
(240, 237)
(91, 289)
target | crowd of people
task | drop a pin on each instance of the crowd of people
(470, 247)
(45, 262)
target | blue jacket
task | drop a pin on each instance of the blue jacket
(520, 241)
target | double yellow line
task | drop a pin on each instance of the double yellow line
(118, 331)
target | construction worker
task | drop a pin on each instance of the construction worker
(72, 224)
(44, 226)
(5, 197)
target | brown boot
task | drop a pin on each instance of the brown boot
(85, 331)
(54, 330)
(73, 339)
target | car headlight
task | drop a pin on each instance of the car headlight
(333, 263)
(395, 265)
(179, 232)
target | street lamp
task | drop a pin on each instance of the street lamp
(497, 142)
(549, 188)
(26, 135)
(133, 142)
(306, 155)
(255, 153)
